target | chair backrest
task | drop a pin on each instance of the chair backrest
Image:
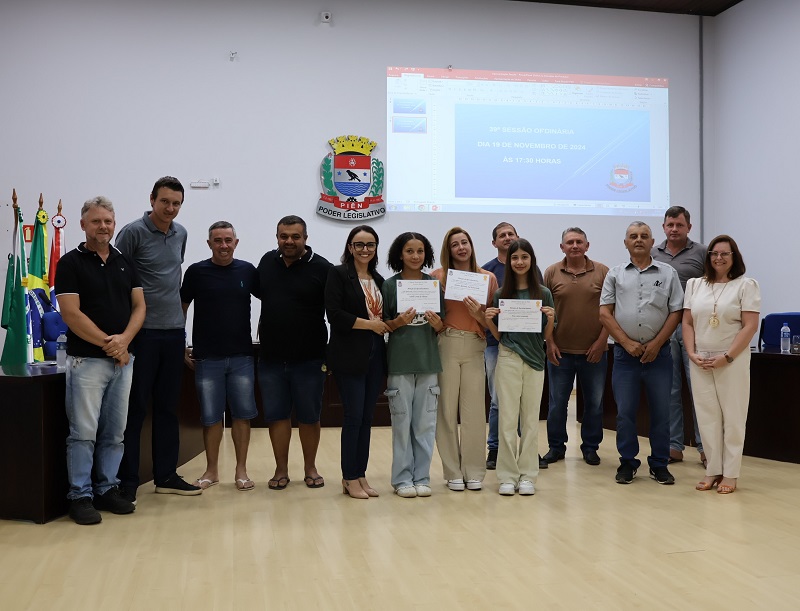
(770, 333)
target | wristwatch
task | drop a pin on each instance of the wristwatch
(728, 357)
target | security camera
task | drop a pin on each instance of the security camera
(325, 17)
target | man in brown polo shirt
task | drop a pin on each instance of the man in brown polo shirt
(578, 346)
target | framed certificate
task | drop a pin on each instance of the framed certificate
(422, 295)
(520, 316)
(466, 284)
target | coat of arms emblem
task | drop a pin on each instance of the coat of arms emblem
(621, 179)
(352, 180)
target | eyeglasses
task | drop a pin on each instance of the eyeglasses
(724, 255)
(369, 246)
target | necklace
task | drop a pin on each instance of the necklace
(714, 321)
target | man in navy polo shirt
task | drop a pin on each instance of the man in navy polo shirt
(222, 351)
(103, 304)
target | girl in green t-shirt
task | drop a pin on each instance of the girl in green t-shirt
(414, 364)
(519, 376)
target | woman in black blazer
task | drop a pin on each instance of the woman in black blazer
(357, 351)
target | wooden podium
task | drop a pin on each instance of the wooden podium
(34, 450)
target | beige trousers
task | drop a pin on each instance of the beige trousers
(519, 393)
(462, 385)
(721, 398)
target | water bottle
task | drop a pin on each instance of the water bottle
(786, 337)
(61, 351)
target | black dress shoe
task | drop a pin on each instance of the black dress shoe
(491, 460)
(543, 463)
(591, 457)
(554, 455)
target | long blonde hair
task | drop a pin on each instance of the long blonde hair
(444, 256)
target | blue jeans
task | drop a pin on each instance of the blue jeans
(490, 361)
(627, 378)
(286, 385)
(230, 379)
(97, 393)
(359, 392)
(592, 379)
(413, 400)
(679, 355)
(156, 382)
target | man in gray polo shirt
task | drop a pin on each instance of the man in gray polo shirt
(688, 258)
(640, 306)
(156, 244)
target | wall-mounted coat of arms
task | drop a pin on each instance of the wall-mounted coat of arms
(352, 181)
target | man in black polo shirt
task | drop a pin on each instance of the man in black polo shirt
(291, 367)
(102, 303)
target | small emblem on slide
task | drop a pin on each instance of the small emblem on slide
(621, 179)
(352, 181)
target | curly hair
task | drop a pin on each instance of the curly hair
(394, 258)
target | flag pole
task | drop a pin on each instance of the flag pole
(17, 348)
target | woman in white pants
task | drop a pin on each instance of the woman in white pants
(720, 317)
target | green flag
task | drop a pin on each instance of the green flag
(18, 348)
(37, 279)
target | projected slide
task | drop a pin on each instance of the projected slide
(547, 153)
(480, 141)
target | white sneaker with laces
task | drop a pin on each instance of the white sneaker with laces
(474, 484)
(506, 489)
(406, 492)
(526, 488)
(456, 485)
(423, 489)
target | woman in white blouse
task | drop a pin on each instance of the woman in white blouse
(720, 317)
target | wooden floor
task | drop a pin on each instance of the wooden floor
(582, 542)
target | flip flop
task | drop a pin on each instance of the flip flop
(278, 484)
(243, 485)
(204, 483)
(314, 482)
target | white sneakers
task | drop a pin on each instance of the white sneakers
(525, 488)
(507, 489)
(406, 492)
(456, 485)
(409, 492)
(474, 484)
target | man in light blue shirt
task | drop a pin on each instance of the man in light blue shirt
(640, 306)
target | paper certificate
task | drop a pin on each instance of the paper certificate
(422, 295)
(467, 284)
(520, 315)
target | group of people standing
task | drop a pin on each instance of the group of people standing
(126, 306)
